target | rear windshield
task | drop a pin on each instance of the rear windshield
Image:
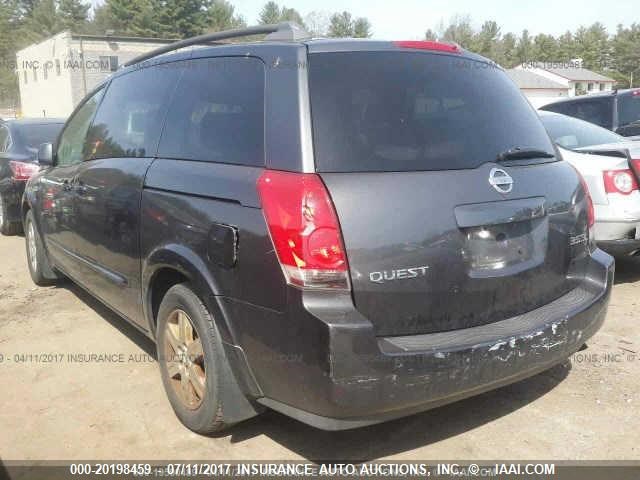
(628, 109)
(35, 134)
(571, 133)
(396, 111)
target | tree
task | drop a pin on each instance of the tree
(524, 49)
(270, 13)
(430, 35)
(545, 48)
(488, 39)
(73, 15)
(132, 17)
(341, 25)
(460, 31)
(626, 55)
(566, 47)
(344, 25)
(361, 28)
(221, 16)
(181, 18)
(273, 13)
(507, 55)
(592, 46)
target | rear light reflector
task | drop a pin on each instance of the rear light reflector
(23, 170)
(620, 181)
(304, 229)
(427, 45)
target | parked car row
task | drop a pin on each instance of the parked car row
(616, 110)
(343, 231)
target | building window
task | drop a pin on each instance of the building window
(108, 63)
(57, 67)
(579, 90)
(25, 77)
(45, 72)
(602, 87)
(35, 75)
(590, 87)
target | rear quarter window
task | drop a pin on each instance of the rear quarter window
(217, 112)
(401, 111)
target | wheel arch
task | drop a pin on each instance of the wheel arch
(171, 264)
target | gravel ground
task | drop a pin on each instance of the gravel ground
(56, 407)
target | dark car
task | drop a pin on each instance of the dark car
(617, 110)
(339, 230)
(19, 141)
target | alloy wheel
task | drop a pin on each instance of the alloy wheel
(184, 359)
(33, 247)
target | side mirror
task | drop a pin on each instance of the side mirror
(45, 154)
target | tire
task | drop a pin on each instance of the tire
(41, 272)
(6, 227)
(196, 396)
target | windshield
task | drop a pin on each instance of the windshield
(32, 135)
(628, 109)
(571, 133)
(401, 111)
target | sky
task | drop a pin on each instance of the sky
(409, 19)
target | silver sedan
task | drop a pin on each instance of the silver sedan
(610, 165)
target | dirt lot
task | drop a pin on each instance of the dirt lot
(588, 408)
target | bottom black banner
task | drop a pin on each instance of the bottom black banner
(142, 469)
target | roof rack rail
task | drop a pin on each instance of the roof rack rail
(285, 31)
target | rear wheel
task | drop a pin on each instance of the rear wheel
(192, 362)
(7, 227)
(41, 272)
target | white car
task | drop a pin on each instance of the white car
(610, 165)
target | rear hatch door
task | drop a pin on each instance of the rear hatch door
(439, 235)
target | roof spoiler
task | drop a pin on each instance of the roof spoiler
(284, 31)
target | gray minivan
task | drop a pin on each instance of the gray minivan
(346, 231)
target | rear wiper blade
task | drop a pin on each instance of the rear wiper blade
(518, 153)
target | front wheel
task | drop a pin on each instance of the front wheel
(193, 365)
(41, 272)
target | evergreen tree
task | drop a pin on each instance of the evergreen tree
(341, 25)
(524, 49)
(361, 28)
(221, 16)
(181, 18)
(73, 15)
(269, 14)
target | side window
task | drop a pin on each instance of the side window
(129, 121)
(217, 112)
(595, 111)
(4, 138)
(70, 148)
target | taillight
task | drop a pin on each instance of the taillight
(23, 170)
(591, 214)
(620, 181)
(636, 165)
(428, 45)
(304, 229)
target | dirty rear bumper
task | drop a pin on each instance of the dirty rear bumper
(372, 379)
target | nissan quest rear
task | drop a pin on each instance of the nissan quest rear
(370, 229)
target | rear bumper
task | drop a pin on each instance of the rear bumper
(367, 380)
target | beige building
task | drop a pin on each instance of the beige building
(55, 74)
